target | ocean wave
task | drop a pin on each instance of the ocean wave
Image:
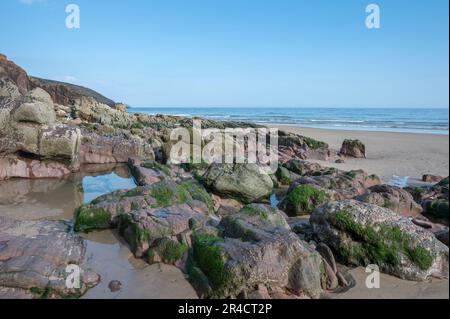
(399, 120)
(340, 121)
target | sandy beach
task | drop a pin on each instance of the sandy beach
(392, 288)
(401, 154)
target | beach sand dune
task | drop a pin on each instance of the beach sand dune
(388, 154)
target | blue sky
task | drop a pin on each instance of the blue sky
(261, 53)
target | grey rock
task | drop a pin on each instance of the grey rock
(256, 248)
(34, 256)
(363, 234)
(37, 108)
(244, 182)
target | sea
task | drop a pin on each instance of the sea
(407, 120)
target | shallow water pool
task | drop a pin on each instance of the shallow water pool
(108, 255)
(57, 199)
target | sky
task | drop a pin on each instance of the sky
(238, 53)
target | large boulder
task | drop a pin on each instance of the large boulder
(353, 148)
(363, 234)
(392, 197)
(154, 220)
(104, 211)
(37, 107)
(34, 256)
(244, 182)
(254, 248)
(60, 142)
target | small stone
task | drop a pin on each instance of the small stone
(114, 285)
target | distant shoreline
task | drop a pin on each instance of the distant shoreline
(354, 129)
(394, 120)
(388, 153)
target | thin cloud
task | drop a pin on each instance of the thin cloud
(65, 78)
(30, 2)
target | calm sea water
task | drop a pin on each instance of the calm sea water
(413, 120)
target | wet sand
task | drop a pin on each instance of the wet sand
(393, 288)
(402, 154)
(110, 257)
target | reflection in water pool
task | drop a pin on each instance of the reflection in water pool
(95, 186)
(55, 199)
(108, 255)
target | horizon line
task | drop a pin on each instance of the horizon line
(300, 107)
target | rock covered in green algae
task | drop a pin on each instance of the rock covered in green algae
(285, 176)
(437, 209)
(142, 229)
(102, 212)
(244, 182)
(166, 250)
(303, 199)
(343, 184)
(363, 234)
(437, 206)
(148, 216)
(253, 248)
